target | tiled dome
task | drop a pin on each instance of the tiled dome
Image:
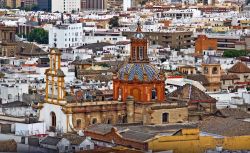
(139, 70)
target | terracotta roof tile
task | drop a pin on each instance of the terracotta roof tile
(232, 112)
(225, 126)
(192, 94)
(74, 139)
(198, 77)
(239, 67)
(229, 77)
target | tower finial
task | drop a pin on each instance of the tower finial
(138, 26)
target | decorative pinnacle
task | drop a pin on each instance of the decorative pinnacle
(138, 26)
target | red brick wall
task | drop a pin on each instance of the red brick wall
(204, 43)
(144, 89)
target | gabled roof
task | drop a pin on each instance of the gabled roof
(199, 78)
(232, 112)
(95, 46)
(136, 135)
(29, 49)
(229, 77)
(51, 140)
(191, 94)
(74, 139)
(239, 67)
(228, 126)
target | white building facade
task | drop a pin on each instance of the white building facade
(65, 5)
(66, 35)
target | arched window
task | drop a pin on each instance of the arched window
(53, 119)
(124, 119)
(215, 70)
(109, 121)
(78, 123)
(205, 70)
(165, 117)
(154, 94)
(141, 53)
(10, 96)
(94, 121)
(134, 53)
(120, 93)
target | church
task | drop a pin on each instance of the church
(138, 96)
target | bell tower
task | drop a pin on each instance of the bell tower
(55, 90)
(212, 71)
(7, 41)
(138, 53)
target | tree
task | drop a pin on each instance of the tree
(234, 53)
(2, 75)
(39, 35)
(114, 22)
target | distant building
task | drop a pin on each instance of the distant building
(126, 4)
(11, 91)
(117, 5)
(83, 4)
(8, 42)
(28, 3)
(204, 43)
(62, 113)
(12, 3)
(175, 40)
(96, 4)
(224, 41)
(242, 71)
(65, 6)
(208, 2)
(66, 35)
(211, 69)
(44, 5)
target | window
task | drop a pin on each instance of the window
(134, 53)
(154, 96)
(141, 53)
(94, 121)
(53, 119)
(73, 148)
(109, 121)
(9, 96)
(79, 123)
(215, 70)
(205, 70)
(165, 117)
(88, 147)
(66, 147)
